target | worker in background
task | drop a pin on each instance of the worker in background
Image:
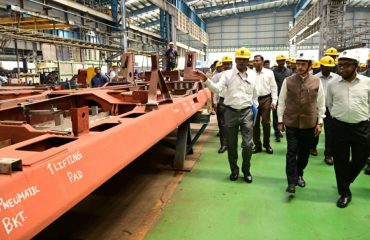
(267, 99)
(216, 99)
(287, 60)
(250, 65)
(212, 69)
(326, 75)
(240, 95)
(171, 57)
(293, 65)
(280, 73)
(316, 67)
(301, 110)
(99, 79)
(332, 52)
(227, 64)
(362, 67)
(113, 77)
(367, 72)
(266, 64)
(348, 100)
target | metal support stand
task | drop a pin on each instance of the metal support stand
(185, 143)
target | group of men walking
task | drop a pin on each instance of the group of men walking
(301, 104)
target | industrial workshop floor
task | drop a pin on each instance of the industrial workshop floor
(146, 200)
(206, 205)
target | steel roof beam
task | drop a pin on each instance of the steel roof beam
(230, 6)
(142, 10)
(300, 6)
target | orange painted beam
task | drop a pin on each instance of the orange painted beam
(61, 170)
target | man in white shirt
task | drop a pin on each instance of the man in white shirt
(267, 99)
(301, 110)
(113, 73)
(348, 100)
(240, 95)
(326, 75)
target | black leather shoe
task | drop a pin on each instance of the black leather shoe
(343, 201)
(367, 170)
(301, 182)
(313, 152)
(234, 176)
(257, 150)
(290, 188)
(248, 178)
(329, 160)
(222, 149)
(269, 150)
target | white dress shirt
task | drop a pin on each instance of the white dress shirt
(320, 103)
(266, 84)
(349, 101)
(325, 80)
(240, 91)
(216, 78)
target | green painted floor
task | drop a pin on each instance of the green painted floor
(207, 205)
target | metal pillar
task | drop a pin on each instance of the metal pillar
(165, 26)
(332, 24)
(114, 5)
(123, 40)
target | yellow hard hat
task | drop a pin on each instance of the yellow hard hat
(293, 60)
(170, 43)
(327, 61)
(218, 64)
(315, 64)
(227, 59)
(331, 52)
(114, 65)
(288, 59)
(280, 57)
(175, 69)
(243, 53)
(336, 61)
(363, 65)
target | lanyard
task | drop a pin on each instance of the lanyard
(242, 78)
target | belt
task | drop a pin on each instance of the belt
(265, 96)
(238, 110)
(352, 124)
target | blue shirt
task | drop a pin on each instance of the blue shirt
(98, 80)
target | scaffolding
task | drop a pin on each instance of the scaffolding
(332, 24)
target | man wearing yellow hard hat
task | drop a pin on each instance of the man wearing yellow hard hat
(293, 65)
(280, 73)
(326, 75)
(301, 110)
(240, 96)
(348, 101)
(315, 67)
(227, 64)
(332, 52)
(171, 57)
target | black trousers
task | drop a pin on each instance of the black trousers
(220, 111)
(233, 121)
(349, 138)
(328, 135)
(299, 142)
(170, 66)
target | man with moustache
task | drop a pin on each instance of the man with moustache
(240, 95)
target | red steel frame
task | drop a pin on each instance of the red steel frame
(59, 169)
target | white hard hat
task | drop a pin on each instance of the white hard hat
(304, 57)
(350, 54)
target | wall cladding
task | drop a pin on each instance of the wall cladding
(260, 30)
